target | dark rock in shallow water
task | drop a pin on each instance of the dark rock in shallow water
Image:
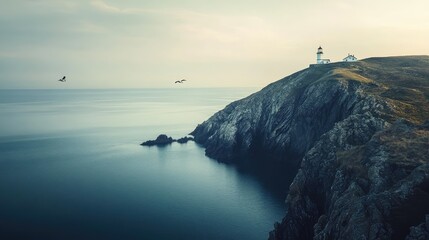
(159, 141)
(184, 139)
(363, 175)
(164, 140)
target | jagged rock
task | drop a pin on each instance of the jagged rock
(420, 232)
(364, 173)
(163, 139)
(159, 141)
(287, 117)
(184, 139)
(359, 190)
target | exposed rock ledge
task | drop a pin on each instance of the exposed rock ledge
(364, 174)
(375, 189)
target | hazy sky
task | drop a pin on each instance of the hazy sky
(222, 43)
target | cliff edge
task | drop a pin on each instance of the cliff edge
(360, 134)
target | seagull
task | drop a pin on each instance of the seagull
(180, 81)
(63, 79)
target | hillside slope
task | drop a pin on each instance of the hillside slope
(362, 171)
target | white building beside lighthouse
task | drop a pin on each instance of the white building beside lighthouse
(320, 59)
(350, 58)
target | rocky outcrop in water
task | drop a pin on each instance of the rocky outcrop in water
(184, 139)
(163, 140)
(364, 173)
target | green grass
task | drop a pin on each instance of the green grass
(407, 148)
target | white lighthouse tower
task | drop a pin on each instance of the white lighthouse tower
(319, 55)
(320, 60)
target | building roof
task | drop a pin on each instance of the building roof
(353, 56)
(350, 56)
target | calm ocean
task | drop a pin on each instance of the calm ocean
(71, 167)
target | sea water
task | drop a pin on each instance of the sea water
(71, 167)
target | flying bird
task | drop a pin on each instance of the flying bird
(180, 81)
(63, 79)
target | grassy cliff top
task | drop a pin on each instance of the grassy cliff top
(401, 81)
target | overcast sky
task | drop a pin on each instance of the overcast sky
(222, 43)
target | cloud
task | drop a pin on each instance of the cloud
(102, 6)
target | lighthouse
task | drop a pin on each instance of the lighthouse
(320, 60)
(319, 55)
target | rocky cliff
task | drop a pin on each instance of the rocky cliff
(358, 131)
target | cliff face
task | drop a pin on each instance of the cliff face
(364, 174)
(287, 117)
(374, 189)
